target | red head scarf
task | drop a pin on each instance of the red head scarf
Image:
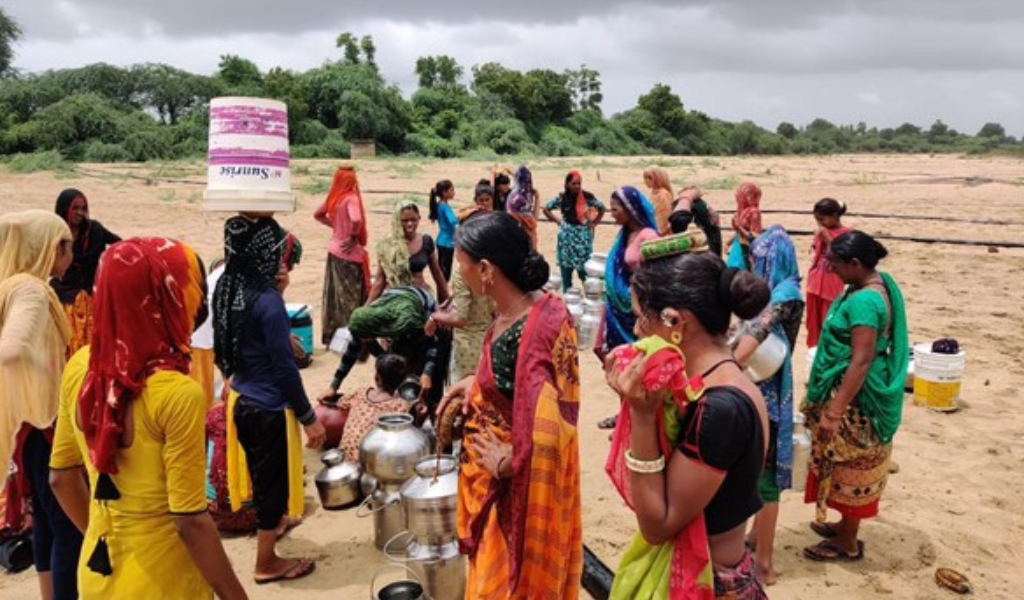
(748, 207)
(148, 293)
(346, 189)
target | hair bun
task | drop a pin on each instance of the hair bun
(880, 250)
(748, 295)
(533, 272)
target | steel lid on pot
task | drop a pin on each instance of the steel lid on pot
(436, 478)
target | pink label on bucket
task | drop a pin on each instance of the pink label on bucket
(248, 156)
(248, 120)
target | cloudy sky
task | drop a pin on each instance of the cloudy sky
(884, 62)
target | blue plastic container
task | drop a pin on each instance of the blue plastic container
(302, 325)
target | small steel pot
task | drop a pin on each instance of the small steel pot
(595, 266)
(338, 482)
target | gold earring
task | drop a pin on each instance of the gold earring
(677, 337)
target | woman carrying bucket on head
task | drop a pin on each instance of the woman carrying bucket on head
(347, 275)
(854, 396)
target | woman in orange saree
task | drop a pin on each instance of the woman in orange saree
(519, 512)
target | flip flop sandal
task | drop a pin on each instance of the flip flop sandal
(608, 423)
(300, 569)
(825, 530)
(827, 551)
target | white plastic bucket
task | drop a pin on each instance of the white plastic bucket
(938, 378)
(248, 168)
(766, 361)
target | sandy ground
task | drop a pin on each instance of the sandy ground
(957, 500)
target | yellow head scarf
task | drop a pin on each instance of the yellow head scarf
(28, 243)
(31, 348)
(393, 251)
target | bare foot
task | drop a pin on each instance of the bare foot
(286, 524)
(768, 574)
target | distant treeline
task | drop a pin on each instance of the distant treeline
(103, 113)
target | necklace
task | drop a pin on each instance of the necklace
(512, 314)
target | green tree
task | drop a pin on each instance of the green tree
(239, 72)
(992, 130)
(355, 99)
(667, 109)
(438, 72)
(10, 32)
(547, 99)
(350, 45)
(909, 130)
(500, 84)
(293, 90)
(787, 130)
(369, 50)
(940, 133)
(169, 91)
(585, 86)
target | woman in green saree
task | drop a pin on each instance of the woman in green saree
(855, 396)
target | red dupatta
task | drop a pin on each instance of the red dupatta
(665, 374)
(345, 189)
(538, 510)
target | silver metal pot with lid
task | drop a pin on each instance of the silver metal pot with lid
(429, 500)
(588, 327)
(338, 484)
(595, 266)
(389, 452)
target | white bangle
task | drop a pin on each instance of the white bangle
(644, 467)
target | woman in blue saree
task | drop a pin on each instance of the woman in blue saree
(773, 260)
(635, 215)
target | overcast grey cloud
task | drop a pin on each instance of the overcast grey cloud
(882, 62)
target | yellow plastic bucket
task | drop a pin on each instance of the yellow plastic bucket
(938, 378)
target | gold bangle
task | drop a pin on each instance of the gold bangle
(644, 467)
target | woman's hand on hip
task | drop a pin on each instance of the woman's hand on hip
(828, 426)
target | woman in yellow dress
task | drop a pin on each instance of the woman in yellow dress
(130, 415)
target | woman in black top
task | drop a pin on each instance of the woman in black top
(74, 288)
(687, 300)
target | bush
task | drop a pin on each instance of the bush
(426, 143)
(333, 146)
(48, 160)
(311, 132)
(559, 141)
(149, 144)
(101, 152)
(506, 136)
(73, 122)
